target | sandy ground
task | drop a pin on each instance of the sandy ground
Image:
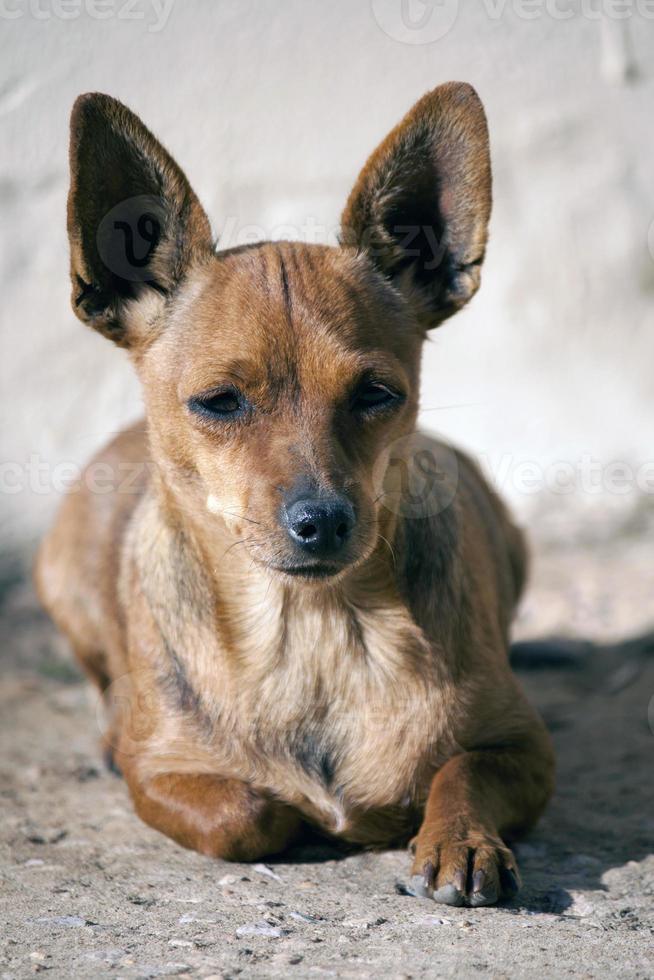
(89, 891)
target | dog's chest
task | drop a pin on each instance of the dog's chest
(348, 715)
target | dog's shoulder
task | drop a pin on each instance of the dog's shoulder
(459, 546)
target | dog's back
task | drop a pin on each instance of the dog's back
(77, 568)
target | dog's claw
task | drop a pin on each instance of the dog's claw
(418, 887)
(483, 891)
(479, 899)
(449, 895)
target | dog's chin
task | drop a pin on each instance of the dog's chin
(314, 572)
(307, 570)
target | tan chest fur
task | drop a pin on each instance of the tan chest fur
(338, 704)
(338, 715)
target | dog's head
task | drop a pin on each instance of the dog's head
(277, 376)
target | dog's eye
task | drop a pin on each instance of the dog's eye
(225, 403)
(373, 396)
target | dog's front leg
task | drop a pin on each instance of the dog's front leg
(475, 800)
(223, 818)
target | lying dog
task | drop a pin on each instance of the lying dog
(284, 637)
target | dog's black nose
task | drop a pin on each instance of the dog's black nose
(321, 526)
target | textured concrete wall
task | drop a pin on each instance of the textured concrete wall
(271, 106)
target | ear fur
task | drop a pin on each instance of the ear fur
(134, 223)
(421, 205)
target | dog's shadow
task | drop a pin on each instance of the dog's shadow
(598, 702)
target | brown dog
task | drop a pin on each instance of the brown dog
(284, 633)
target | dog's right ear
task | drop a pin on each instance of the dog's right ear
(421, 205)
(134, 224)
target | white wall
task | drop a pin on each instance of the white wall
(271, 106)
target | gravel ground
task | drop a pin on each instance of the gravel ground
(89, 891)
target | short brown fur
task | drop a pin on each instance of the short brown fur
(248, 695)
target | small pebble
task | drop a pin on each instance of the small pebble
(435, 920)
(71, 921)
(141, 900)
(580, 905)
(303, 917)
(263, 869)
(46, 836)
(84, 774)
(259, 929)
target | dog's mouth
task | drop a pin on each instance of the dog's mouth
(313, 571)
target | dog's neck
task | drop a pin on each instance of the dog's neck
(253, 608)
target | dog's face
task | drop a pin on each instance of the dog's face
(283, 374)
(277, 377)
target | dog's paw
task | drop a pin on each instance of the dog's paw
(473, 869)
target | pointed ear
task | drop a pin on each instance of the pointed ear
(421, 205)
(134, 224)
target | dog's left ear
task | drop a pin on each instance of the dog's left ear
(421, 205)
(135, 225)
